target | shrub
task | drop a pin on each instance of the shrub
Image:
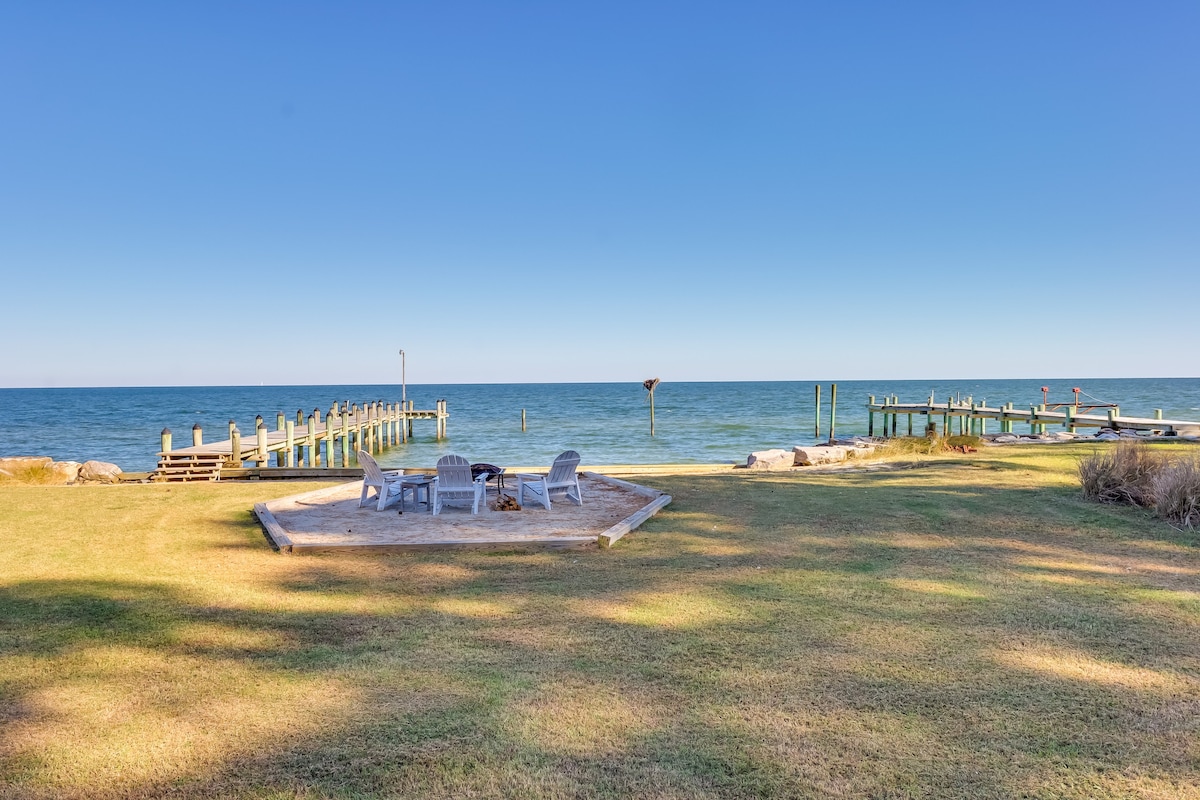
(921, 446)
(1176, 491)
(1124, 474)
(40, 474)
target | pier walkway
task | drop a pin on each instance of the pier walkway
(973, 418)
(311, 441)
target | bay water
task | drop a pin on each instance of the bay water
(608, 423)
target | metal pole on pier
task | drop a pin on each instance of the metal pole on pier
(403, 381)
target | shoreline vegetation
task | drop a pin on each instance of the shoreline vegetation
(974, 627)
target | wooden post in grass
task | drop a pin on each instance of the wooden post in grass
(650, 384)
(946, 419)
(197, 435)
(164, 440)
(832, 410)
(235, 446)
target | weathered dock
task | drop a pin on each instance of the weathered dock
(329, 441)
(972, 418)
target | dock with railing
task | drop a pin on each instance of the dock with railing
(972, 418)
(326, 441)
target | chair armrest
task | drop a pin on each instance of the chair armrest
(530, 476)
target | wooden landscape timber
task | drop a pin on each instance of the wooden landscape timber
(972, 418)
(312, 442)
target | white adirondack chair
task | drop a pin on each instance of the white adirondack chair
(387, 485)
(562, 478)
(454, 482)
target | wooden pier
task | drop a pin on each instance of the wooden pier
(314, 441)
(972, 418)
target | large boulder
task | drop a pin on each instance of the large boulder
(101, 471)
(14, 464)
(820, 454)
(66, 471)
(770, 459)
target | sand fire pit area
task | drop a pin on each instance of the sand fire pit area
(331, 519)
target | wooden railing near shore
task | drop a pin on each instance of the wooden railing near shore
(313, 441)
(972, 418)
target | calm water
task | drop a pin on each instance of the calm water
(608, 423)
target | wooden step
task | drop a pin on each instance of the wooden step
(186, 467)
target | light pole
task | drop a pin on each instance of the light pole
(403, 388)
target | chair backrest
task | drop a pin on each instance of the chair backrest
(453, 471)
(370, 468)
(563, 467)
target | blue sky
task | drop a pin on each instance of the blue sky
(221, 193)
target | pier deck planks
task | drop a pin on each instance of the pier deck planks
(1035, 417)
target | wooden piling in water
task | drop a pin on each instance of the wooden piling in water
(832, 410)
(817, 416)
(260, 454)
(345, 437)
(290, 450)
(330, 435)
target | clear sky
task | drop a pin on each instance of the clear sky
(236, 193)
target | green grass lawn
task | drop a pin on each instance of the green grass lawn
(967, 628)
